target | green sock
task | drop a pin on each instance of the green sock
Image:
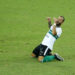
(48, 58)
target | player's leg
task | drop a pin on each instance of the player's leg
(35, 52)
(45, 54)
(41, 52)
(46, 58)
(52, 57)
(33, 55)
(40, 58)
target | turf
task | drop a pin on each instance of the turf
(23, 25)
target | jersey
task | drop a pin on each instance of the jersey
(50, 39)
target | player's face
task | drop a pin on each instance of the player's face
(60, 19)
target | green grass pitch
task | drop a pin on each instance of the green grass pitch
(23, 25)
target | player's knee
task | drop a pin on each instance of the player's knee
(40, 58)
(33, 55)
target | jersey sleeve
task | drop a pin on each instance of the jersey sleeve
(59, 31)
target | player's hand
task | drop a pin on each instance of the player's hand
(56, 21)
(49, 19)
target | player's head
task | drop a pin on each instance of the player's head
(61, 19)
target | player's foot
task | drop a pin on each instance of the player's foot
(58, 57)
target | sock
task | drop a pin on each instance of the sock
(48, 58)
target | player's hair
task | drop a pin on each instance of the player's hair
(63, 18)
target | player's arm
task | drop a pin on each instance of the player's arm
(49, 22)
(54, 27)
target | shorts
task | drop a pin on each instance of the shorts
(42, 50)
